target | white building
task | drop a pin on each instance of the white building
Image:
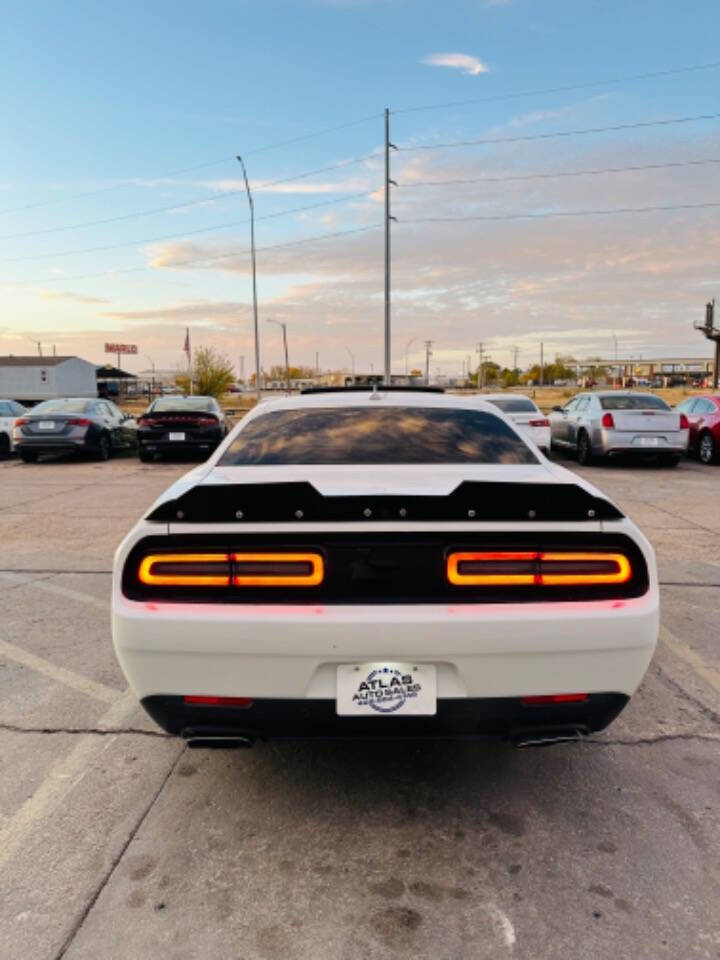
(44, 378)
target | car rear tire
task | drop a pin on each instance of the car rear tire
(706, 448)
(585, 456)
(4, 446)
(104, 447)
(146, 456)
(28, 456)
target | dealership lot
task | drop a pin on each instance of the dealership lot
(118, 842)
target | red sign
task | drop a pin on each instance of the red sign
(121, 348)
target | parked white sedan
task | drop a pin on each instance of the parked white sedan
(525, 414)
(395, 563)
(10, 410)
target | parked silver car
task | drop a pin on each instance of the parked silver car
(607, 424)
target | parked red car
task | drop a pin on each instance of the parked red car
(703, 414)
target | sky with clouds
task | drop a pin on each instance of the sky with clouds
(123, 214)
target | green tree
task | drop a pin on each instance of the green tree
(212, 374)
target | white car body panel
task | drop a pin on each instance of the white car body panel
(480, 650)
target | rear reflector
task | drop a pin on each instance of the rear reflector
(555, 698)
(219, 701)
(232, 569)
(539, 423)
(531, 568)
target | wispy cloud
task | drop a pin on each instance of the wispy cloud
(74, 297)
(470, 65)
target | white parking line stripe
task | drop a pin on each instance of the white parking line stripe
(60, 591)
(70, 679)
(65, 774)
(707, 673)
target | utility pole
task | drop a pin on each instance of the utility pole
(38, 343)
(242, 369)
(542, 364)
(481, 367)
(317, 364)
(712, 332)
(388, 147)
(285, 347)
(428, 354)
(352, 361)
(254, 278)
(515, 352)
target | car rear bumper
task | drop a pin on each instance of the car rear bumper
(200, 440)
(615, 442)
(317, 718)
(292, 651)
(52, 443)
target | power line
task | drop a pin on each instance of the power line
(561, 133)
(198, 166)
(184, 233)
(191, 203)
(563, 173)
(564, 213)
(564, 89)
(228, 256)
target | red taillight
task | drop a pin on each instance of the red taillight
(555, 698)
(539, 423)
(147, 422)
(21, 421)
(219, 701)
(232, 569)
(608, 422)
(540, 569)
(684, 422)
(207, 421)
(78, 422)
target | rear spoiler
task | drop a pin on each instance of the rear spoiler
(471, 500)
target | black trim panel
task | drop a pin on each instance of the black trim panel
(464, 717)
(471, 500)
(366, 568)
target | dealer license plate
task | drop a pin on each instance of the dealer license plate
(46, 425)
(386, 689)
(647, 441)
(177, 436)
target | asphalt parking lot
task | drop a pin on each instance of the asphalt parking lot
(117, 842)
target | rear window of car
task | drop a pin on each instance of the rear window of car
(513, 404)
(62, 406)
(355, 435)
(182, 403)
(633, 403)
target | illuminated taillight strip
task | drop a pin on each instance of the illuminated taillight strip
(312, 578)
(542, 574)
(147, 576)
(312, 575)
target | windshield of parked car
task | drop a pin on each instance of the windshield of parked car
(513, 404)
(62, 406)
(633, 402)
(354, 435)
(183, 403)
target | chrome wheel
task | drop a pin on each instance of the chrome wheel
(706, 449)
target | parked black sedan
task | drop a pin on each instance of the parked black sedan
(181, 424)
(73, 424)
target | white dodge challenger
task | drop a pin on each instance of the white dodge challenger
(396, 563)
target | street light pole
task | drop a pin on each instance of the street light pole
(352, 361)
(254, 277)
(285, 348)
(388, 147)
(152, 367)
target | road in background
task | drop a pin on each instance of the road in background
(118, 843)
